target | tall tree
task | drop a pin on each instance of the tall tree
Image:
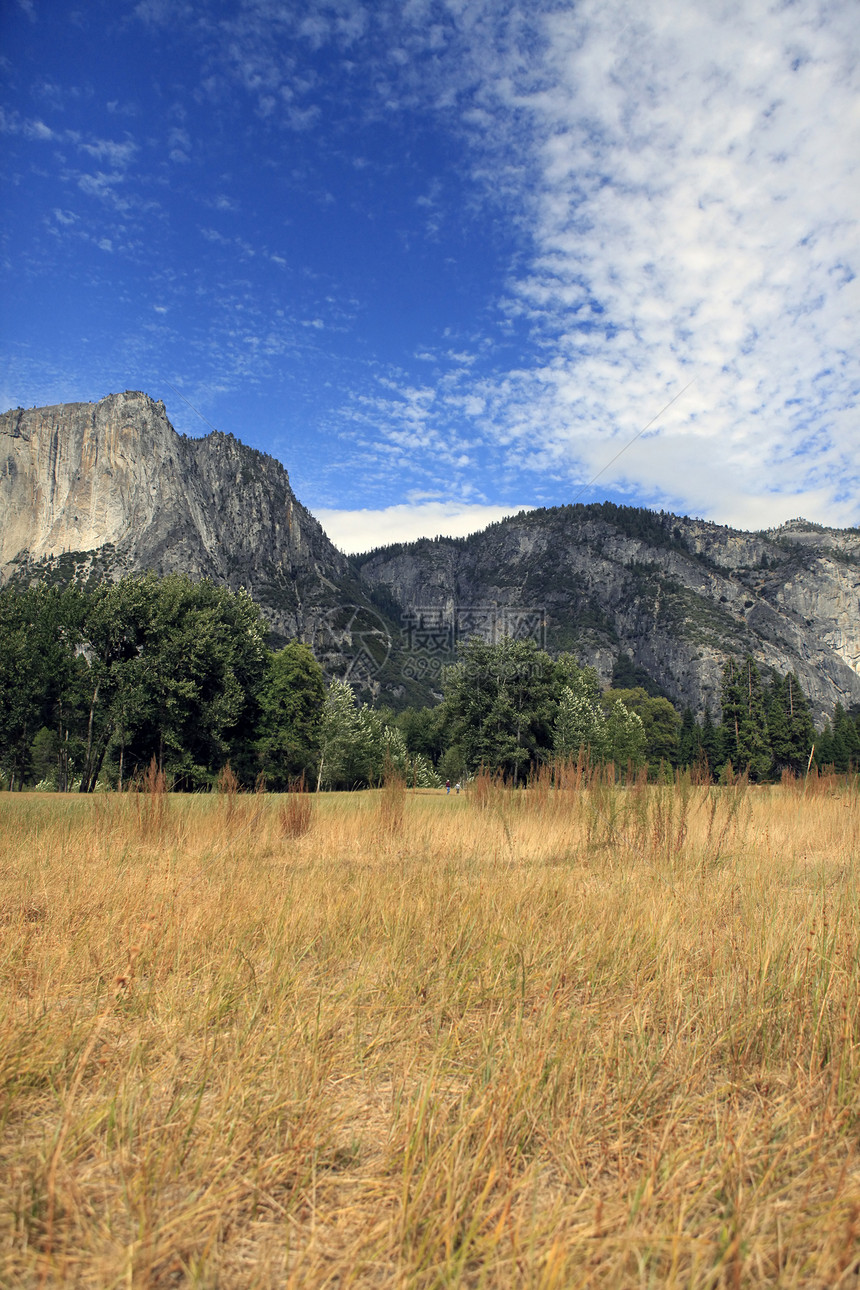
(580, 725)
(352, 741)
(205, 658)
(661, 722)
(290, 715)
(40, 672)
(790, 727)
(115, 632)
(501, 701)
(689, 739)
(712, 742)
(625, 736)
(744, 718)
(844, 744)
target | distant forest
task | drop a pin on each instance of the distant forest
(97, 685)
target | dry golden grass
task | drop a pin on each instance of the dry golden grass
(602, 1037)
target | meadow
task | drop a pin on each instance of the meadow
(579, 1035)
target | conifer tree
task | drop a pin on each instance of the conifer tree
(712, 742)
(789, 722)
(801, 727)
(824, 746)
(745, 719)
(689, 740)
(844, 743)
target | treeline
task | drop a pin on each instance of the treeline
(511, 707)
(95, 685)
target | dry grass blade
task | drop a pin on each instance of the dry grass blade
(295, 813)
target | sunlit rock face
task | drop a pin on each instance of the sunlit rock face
(102, 489)
(113, 481)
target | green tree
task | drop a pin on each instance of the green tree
(424, 731)
(689, 739)
(824, 746)
(840, 743)
(625, 736)
(712, 743)
(289, 720)
(789, 721)
(40, 678)
(147, 666)
(175, 667)
(204, 659)
(661, 722)
(501, 703)
(352, 741)
(118, 682)
(744, 718)
(580, 726)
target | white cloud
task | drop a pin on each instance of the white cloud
(360, 530)
(38, 130)
(687, 180)
(682, 182)
(115, 153)
(696, 185)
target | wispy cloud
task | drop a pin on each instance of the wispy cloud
(686, 181)
(694, 176)
(674, 189)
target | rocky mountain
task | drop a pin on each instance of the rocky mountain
(673, 595)
(108, 488)
(92, 490)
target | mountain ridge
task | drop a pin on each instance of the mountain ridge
(107, 488)
(676, 594)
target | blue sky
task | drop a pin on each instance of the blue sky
(446, 258)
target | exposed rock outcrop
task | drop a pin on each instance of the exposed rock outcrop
(677, 595)
(111, 486)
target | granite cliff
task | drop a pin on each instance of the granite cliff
(93, 490)
(109, 488)
(676, 595)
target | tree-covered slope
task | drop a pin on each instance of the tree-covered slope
(673, 594)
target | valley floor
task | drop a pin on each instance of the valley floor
(565, 1037)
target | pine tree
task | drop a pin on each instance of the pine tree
(712, 742)
(778, 723)
(689, 740)
(789, 721)
(824, 747)
(845, 747)
(745, 718)
(801, 726)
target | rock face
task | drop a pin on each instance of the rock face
(110, 487)
(103, 489)
(676, 595)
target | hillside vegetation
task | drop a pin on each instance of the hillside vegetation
(93, 492)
